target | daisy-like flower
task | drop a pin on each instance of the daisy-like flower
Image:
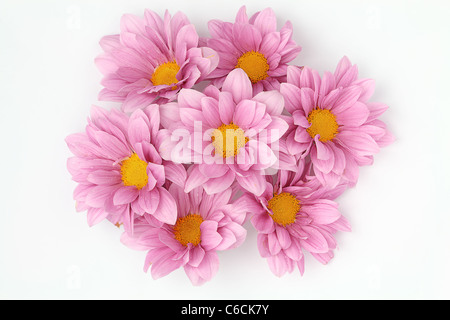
(255, 46)
(205, 224)
(152, 58)
(119, 170)
(333, 122)
(227, 134)
(292, 217)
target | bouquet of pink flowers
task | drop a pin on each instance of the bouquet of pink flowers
(214, 132)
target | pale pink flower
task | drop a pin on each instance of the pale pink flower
(205, 224)
(229, 135)
(332, 121)
(254, 45)
(152, 58)
(293, 217)
(119, 170)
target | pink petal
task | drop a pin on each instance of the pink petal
(239, 85)
(358, 142)
(206, 269)
(210, 238)
(273, 100)
(226, 107)
(95, 215)
(104, 177)
(175, 173)
(196, 255)
(283, 237)
(266, 21)
(315, 242)
(195, 179)
(189, 98)
(210, 111)
(323, 211)
(354, 116)
(149, 201)
(138, 128)
(270, 43)
(125, 195)
(167, 208)
(219, 184)
(292, 96)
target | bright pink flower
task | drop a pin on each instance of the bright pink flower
(333, 122)
(229, 134)
(205, 224)
(152, 59)
(254, 45)
(119, 170)
(292, 217)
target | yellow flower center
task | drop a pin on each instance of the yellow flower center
(187, 229)
(323, 123)
(254, 64)
(228, 139)
(166, 74)
(285, 207)
(134, 172)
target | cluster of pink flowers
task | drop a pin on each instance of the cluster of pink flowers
(218, 131)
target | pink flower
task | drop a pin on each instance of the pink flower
(332, 121)
(229, 134)
(292, 217)
(119, 170)
(205, 224)
(152, 59)
(254, 45)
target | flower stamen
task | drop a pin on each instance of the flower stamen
(254, 64)
(323, 122)
(285, 207)
(134, 172)
(166, 74)
(187, 229)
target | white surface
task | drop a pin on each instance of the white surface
(399, 247)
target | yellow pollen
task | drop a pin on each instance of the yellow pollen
(254, 64)
(285, 207)
(228, 139)
(323, 123)
(187, 229)
(166, 74)
(134, 172)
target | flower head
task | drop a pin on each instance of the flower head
(119, 170)
(332, 121)
(152, 58)
(255, 46)
(205, 224)
(292, 217)
(229, 134)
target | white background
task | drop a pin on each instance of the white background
(400, 244)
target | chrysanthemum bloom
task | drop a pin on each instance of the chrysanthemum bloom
(333, 122)
(292, 217)
(119, 170)
(254, 45)
(228, 134)
(205, 224)
(152, 59)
